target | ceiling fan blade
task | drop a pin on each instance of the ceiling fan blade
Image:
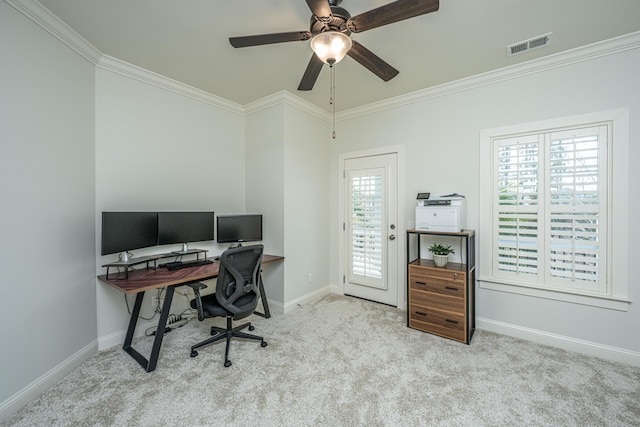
(311, 73)
(390, 13)
(319, 7)
(246, 41)
(372, 62)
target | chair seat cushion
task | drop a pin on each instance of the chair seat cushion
(212, 308)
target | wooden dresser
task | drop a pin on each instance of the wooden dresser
(440, 300)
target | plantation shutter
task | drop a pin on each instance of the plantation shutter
(550, 208)
(366, 226)
(517, 206)
(577, 207)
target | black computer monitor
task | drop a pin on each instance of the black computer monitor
(239, 228)
(185, 227)
(126, 231)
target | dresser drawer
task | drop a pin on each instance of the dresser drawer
(437, 272)
(449, 325)
(436, 285)
(437, 301)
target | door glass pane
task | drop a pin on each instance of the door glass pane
(366, 225)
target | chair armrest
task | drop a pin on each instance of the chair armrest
(197, 287)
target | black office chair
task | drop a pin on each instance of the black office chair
(239, 265)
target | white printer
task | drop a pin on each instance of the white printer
(441, 212)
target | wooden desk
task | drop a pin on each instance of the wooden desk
(139, 281)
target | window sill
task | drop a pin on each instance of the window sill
(603, 301)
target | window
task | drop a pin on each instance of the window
(547, 198)
(550, 208)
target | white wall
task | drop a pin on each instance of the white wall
(265, 184)
(287, 176)
(159, 150)
(306, 200)
(46, 207)
(441, 134)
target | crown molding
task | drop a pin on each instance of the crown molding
(44, 18)
(286, 97)
(49, 22)
(115, 65)
(33, 10)
(581, 54)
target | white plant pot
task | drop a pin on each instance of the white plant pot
(440, 260)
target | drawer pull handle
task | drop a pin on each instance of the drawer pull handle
(451, 288)
(451, 321)
(421, 313)
(421, 283)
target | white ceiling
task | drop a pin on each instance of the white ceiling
(187, 40)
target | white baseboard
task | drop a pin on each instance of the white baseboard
(37, 387)
(274, 306)
(567, 343)
(117, 338)
(292, 305)
(111, 340)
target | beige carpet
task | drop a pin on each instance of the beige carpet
(342, 361)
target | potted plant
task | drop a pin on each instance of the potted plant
(441, 254)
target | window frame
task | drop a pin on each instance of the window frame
(616, 294)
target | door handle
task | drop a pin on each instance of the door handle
(392, 237)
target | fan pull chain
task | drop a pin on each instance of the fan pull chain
(332, 95)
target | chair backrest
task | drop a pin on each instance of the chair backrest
(237, 286)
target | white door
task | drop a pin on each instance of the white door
(370, 226)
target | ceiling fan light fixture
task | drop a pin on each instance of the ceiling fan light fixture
(331, 46)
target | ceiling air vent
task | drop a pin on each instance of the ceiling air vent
(526, 45)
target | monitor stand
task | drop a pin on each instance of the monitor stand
(185, 250)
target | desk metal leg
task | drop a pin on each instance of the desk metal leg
(263, 296)
(133, 321)
(148, 365)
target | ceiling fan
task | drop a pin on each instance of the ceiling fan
(329, 21)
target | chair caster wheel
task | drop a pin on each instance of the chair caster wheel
(263, 344)
(227, 363)
(251, 328)
(194, 353)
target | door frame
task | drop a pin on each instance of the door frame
(399, 151)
